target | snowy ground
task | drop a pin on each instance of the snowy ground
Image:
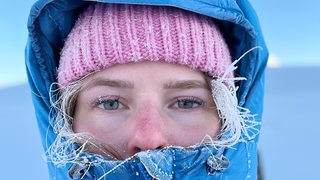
(289, 142)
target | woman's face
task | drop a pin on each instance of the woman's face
(143, 106)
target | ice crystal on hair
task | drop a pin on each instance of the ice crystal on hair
(237, 122)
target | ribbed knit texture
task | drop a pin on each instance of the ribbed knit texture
(110, 34)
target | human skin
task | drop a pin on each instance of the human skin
(134, 107)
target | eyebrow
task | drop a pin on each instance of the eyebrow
(186, 84)
(180, 84)
(108, 82)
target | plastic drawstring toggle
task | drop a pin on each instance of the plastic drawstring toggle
(80, 169)
(215, 164)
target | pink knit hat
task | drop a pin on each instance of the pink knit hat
(110, 34)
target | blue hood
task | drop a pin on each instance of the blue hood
(50, 21)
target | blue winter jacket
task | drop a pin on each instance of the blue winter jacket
(50, 22)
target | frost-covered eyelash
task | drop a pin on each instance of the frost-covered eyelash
(103, 99)
(192, 98)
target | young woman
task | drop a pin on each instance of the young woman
(147, 89)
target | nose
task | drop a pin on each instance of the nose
(149, 130)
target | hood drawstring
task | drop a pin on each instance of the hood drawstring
(80, 169)
(217, 163)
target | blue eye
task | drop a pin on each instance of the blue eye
(109, 103)
(188, 103)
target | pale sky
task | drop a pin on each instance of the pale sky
(290, 30)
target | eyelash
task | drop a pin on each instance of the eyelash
(198, 102)
(104, 99)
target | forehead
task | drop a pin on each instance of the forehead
(137, 74)
(155, 70)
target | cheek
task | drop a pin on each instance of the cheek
(212, 124)
(104, 140)
(190, 134)
(95, 126)
(101, 130)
